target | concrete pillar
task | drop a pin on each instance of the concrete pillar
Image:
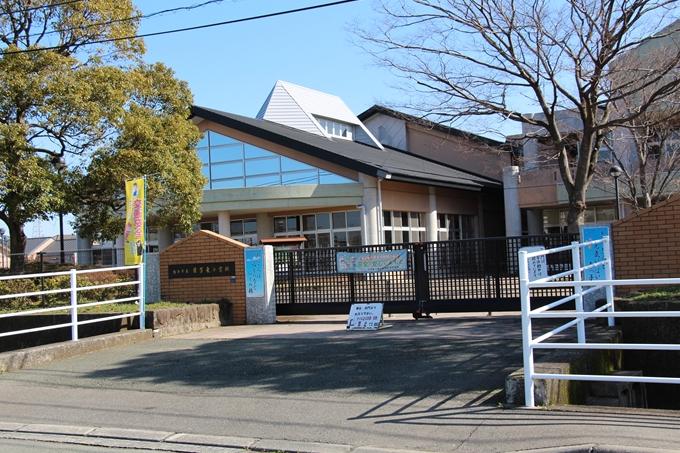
(259, 279)
(513, 217)
(265, 226)
(223, 223)
(164, 238)
(371, 211)
(432, 224)
(84, 250)
(534, 221)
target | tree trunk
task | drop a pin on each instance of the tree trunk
(17, 246)
(577, 210)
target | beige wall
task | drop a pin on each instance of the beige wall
(457, 151)
(539, 188)
(398, 196)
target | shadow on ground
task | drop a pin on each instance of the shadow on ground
(444, 358)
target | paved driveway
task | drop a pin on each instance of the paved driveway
(432, 385)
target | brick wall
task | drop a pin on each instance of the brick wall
(647, 244)
(206, 247)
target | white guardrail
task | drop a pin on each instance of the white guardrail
(530, 344)
(74, 306)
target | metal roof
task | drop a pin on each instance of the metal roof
(400, 166)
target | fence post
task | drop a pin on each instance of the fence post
(291, 277)
(527, 336)
(74, 306)
(609, 275)
(142, 302)
(578, 289)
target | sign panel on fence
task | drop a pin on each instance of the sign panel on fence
(594, 253)
(367, 262)
(365, 317)
(254, 257)
(538, 266)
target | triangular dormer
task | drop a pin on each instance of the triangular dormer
(315, 112)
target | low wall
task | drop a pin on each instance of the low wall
(653, 363)
(176, 321)
(168, 321)
(553, 392)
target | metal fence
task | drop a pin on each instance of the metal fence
(73, 290)
(57, 260)
(574, 278)
(462, 275)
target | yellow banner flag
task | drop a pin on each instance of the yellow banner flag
(134, 221)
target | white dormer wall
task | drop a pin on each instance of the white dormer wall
(302, 108)
(280, 107)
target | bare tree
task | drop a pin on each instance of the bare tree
(648, 154)
(503, 57)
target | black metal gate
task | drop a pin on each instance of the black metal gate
(446, 276)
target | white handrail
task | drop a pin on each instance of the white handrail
(578, 316)
(74, 306)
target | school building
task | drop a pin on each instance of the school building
(308, 171)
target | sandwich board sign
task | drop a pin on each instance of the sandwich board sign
(538, 266)
(365, 317)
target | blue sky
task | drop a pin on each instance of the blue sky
(234, 67)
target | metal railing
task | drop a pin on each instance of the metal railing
(56, 260)
(581, 288)
(73, 290)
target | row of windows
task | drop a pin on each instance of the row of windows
(555, 220)
(231, 164)
(336, 128)
(342, 228)
(402, 226)
(324, 229)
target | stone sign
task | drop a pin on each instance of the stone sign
(205, 267)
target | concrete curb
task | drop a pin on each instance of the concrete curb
(38, 355)
(171, 442)
(595, 448)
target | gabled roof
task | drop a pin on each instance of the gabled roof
(301, 107)
(379, 109)
(359, 157)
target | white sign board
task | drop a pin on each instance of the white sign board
(365, 317)
(538, 267)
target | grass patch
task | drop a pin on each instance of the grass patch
(671, 293)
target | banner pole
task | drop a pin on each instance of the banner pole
(142, 302)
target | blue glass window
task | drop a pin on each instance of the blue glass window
(300, 177)
(219, 139)
(204, 155)
(292, 165)
(263, 181)
(226, 153)
(262, 166)
(227, 183)
(254, 151)
(226, 170)
(231, 164)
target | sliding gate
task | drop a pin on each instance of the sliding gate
(446, 276)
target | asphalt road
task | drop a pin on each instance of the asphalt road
(433, 385)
